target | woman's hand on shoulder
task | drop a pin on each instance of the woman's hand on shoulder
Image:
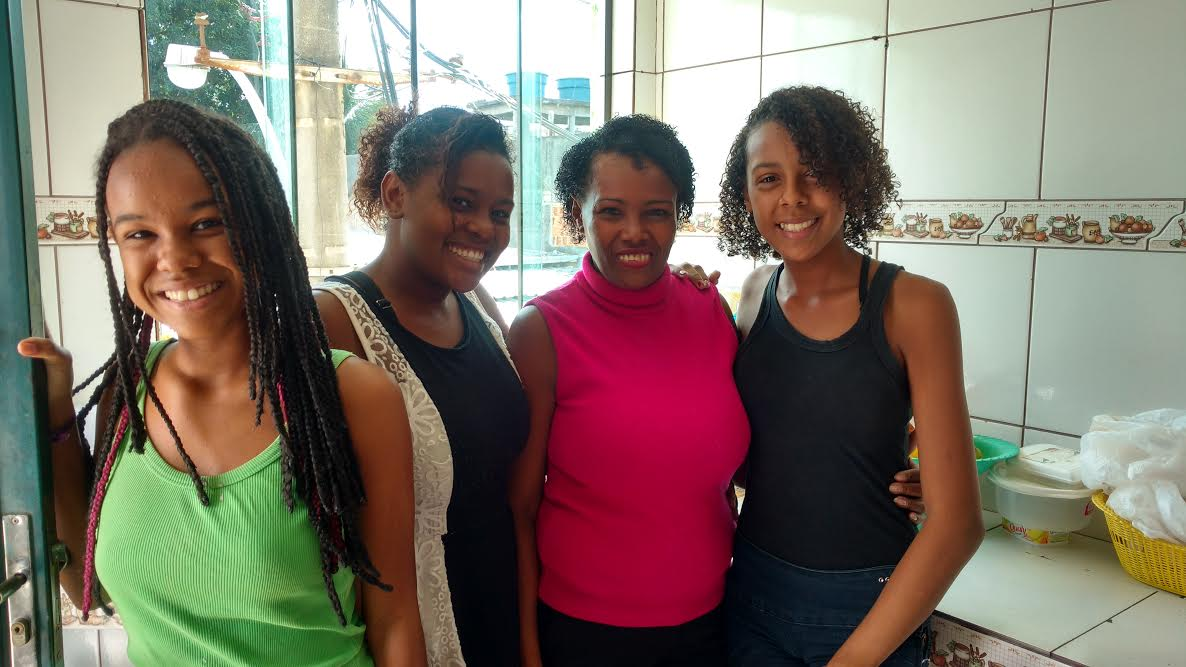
(695, 274)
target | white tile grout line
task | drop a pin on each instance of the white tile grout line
(1029, 333)
(887, 35)
(885, 73)
(49, 168)
(762, 47)
(1097, 625)
(58, 292)
(1045, 98)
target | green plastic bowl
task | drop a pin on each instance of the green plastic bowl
(994, 450)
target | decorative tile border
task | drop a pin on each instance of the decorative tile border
(1173, 237)
(955, 645)
(705, 221)
(1112, 225)
(937, 222)
(66, 220)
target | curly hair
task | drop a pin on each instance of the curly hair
(409, 145)
(837, 141)
(638, 136)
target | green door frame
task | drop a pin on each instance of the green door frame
(25, 479)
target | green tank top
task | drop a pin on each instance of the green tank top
(235, 583)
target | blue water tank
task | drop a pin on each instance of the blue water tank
(576, 88)
(538, 81)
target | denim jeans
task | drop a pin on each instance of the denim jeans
(779, 614)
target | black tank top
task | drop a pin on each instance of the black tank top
(484, 410)
(829, 432)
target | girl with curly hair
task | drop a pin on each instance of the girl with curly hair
(838, 352)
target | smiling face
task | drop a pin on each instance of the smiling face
(177, 259)
(796, 214)
(458, 237)
(629, 219)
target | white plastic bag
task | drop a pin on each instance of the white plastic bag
(1141, 462)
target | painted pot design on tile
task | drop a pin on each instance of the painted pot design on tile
(62, 219)
(1080, 224)
(1129, 229)
(931, 222)
(965, 225)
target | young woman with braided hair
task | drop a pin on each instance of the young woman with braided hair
(221, 514)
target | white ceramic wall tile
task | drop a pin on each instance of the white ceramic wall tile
(113, 647)
(36, 88)
(993, 429)
(963, 109)
(1041, 596)
(48, 269)
(1093, 225)
(698, 32)
(86, 313)
(623, 34)
(80, 647)
(708, 121)
(946, 222)
(1149, 633)
(702, 250)
(857, 69)
(646, 35)
(86, 92)
(917, 14)
(991, 289)
(1106, 336)
(622, 103)
(1114, 111)
(646, 93)
(1035, 436)
(801, 24)
(1172, 238)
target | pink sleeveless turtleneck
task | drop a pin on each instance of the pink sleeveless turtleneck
(634, 529)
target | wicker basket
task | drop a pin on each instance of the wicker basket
(1154, 562)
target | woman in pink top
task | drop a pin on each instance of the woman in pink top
(634, 526)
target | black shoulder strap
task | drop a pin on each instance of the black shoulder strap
(371, 293)
(863, 287)
(882, 281)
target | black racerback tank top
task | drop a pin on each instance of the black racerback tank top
(829, 432)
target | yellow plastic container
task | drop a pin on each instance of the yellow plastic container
(1154, 562)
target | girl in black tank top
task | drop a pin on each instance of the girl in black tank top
(838, 354)
(843, 449)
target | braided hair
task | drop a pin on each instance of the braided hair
(410, 145)
(291, 366)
